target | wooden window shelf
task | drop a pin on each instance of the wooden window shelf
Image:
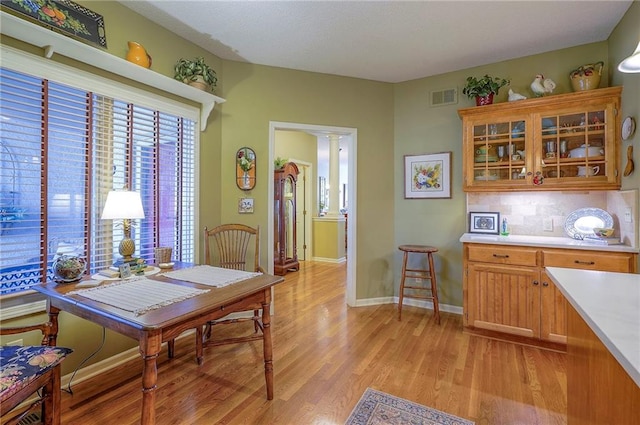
(53, 42)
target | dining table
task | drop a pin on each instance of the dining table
(162, 304)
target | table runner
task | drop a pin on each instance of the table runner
(211, 276)
(139, 295)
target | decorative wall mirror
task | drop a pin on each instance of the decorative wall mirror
(246, 168)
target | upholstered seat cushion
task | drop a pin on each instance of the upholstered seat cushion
(21, 365)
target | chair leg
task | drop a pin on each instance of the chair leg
(207, 330)
(434, 289)
(199, 336)
(51, 399)
(256, 317)
(404, 271)
(171, 344)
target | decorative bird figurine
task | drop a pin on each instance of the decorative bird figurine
(542, 86)
(513, 96)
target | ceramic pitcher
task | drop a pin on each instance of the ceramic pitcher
(138, 55)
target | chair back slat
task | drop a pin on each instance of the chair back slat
(233, 243)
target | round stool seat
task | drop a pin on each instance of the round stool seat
(425, 249)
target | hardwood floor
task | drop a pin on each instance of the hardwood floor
(325, 356)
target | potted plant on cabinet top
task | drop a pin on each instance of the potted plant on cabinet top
(483, 89)
(196, 73)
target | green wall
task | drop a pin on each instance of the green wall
(622, 42)
(392, 120)
(421, 128)
(258, 94)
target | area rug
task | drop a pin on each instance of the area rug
(378, 408)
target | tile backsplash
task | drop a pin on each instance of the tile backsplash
(534, 213)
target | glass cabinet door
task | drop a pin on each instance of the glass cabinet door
(500, 151)
(573, 145)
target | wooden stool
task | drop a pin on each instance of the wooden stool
(423, 274)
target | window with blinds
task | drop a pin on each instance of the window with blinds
(62, 150)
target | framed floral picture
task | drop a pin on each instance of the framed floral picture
(427, 176)
(245, 206)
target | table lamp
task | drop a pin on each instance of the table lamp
(124, 205)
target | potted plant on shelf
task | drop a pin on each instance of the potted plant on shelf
(484, 88)
(278, 163)
(196, 73)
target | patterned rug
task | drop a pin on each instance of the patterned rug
(378, 408)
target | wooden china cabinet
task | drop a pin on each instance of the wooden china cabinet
(284, 216)
(568, 142)
(559, 142)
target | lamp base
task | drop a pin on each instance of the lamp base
(120, 261)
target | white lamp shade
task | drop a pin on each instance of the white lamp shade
(123, 204)
(632, 63)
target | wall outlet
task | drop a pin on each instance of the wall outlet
(627, 215)
(17, 342)
(547, 224)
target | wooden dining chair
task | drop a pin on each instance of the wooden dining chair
(237, 247)
(27, 370)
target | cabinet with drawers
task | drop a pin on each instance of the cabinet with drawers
(506, 290)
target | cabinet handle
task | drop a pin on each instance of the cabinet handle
(545, 283)
(586, 263)
(535, 282)
(501, 255)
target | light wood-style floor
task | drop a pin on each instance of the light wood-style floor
(325, 356)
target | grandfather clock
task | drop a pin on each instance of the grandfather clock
(284, 215)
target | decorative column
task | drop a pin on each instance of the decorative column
(334, 175)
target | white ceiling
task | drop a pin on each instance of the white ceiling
(390, 41)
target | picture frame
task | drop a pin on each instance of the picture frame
(125, 270)
(427, 176)
(484, 222)
(245, 206)
(61, 16)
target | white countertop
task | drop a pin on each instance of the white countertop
(610, 304)
(544, 241)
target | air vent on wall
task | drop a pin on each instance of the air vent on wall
(444, 97)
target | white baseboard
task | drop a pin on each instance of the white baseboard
(330, 260)
(409, 301)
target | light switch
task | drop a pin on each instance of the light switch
(547, 224)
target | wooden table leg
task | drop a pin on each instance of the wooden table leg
(149, 349)
(266, 344)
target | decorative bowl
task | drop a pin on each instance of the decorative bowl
(68, 268)
(586, 151)
(603, 232)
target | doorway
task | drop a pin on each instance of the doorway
(351, 195)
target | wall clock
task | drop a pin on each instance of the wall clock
(628, 128)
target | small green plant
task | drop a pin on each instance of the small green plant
(483, 86)
(189, 70)
(278, 163)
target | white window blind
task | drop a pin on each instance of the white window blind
(62, 150)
